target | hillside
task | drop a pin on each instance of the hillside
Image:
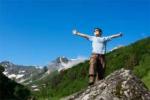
(10, 90)
(135, 57)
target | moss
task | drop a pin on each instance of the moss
(118, 90)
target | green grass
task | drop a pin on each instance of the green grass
(146, 80)
(144, 66)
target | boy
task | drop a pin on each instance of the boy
(97, 59)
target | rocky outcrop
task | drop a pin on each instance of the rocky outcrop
(120, 85)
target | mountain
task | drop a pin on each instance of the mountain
(134, 57)
(58, 65)
(63, 63)
(10, 90)
(119, 85)
(27, 75)
(20, 73)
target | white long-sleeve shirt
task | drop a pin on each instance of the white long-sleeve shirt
(99, 44)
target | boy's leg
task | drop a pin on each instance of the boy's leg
(103, 61)
(99, 74)
(100, 67)
(93, 63)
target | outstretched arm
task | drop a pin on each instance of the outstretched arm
(108, 38)
(116, 35)
(75, 32)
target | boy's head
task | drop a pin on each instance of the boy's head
(97, 31)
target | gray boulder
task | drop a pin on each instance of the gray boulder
(120, 85)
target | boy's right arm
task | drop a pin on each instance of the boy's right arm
(75, 32)
(113, 36)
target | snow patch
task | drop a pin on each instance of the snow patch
(5, 73)
(36, 89)
(34, 86)
(22, 71)
(12, 76)
(19, 76)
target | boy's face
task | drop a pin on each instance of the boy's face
(97, 32)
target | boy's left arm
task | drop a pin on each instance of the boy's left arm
(108, 38)
(116, 35)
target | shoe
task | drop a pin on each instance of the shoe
(91, 83)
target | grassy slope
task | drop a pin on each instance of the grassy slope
(135, 57)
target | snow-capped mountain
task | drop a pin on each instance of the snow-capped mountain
(19, 73)
(63, 63)
(28, 74)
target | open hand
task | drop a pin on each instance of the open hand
(120, 34)
(74, 31)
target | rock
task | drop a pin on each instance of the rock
(120, 85)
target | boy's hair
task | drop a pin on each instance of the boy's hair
(100, 30)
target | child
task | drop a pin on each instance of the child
(97, 59)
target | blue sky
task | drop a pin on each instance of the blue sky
(34, 32)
